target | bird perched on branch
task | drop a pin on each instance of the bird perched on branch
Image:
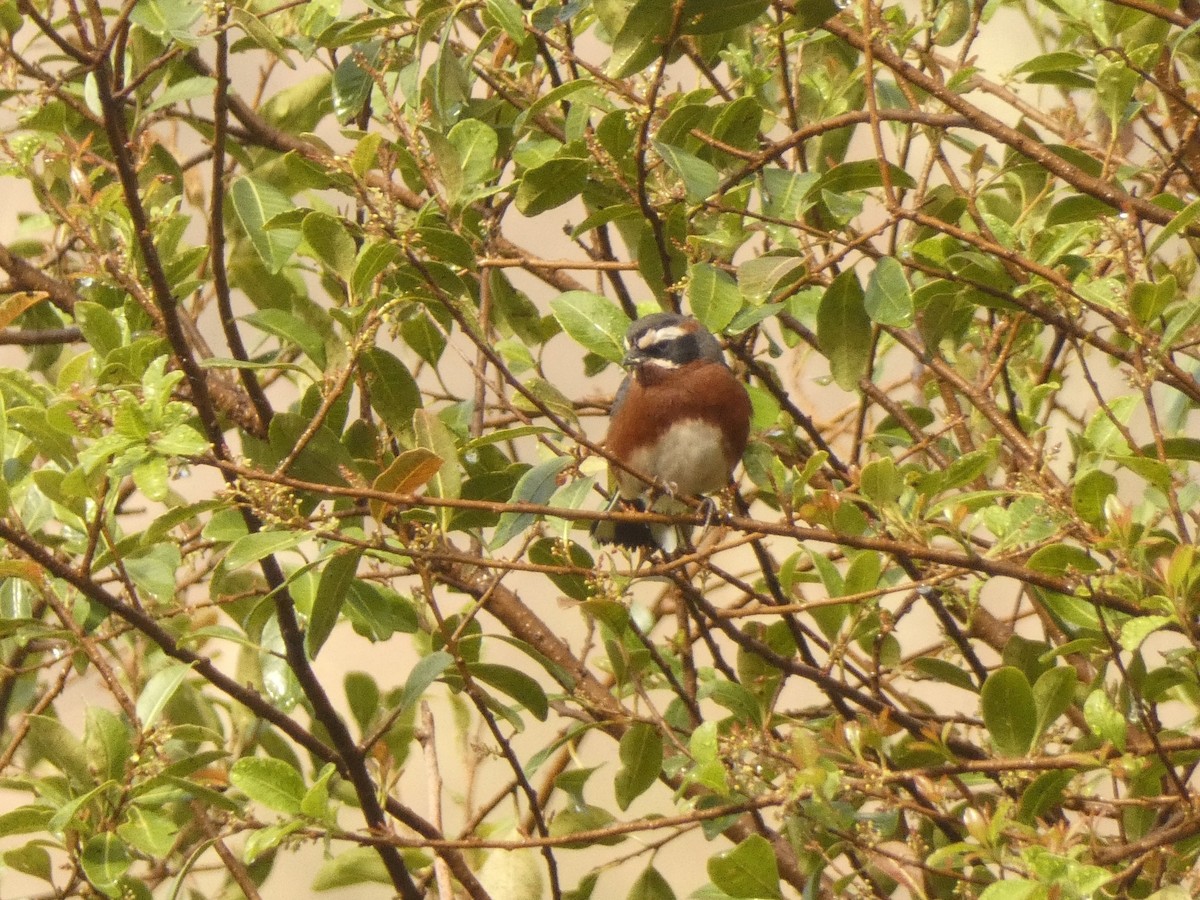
(681, 417)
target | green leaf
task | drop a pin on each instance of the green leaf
(860, 175)
(744, 705)
(784, 191)
(508, 16)
(880, 482)
(700, 179)
(537, 485)
(864, 573)
(323, 458)
(593, 321)
(944, 671)
(99, 327)
(393, 391)
(962, 470)
(1147, 300)
(1060, 67)
(446, 246)
(269, 781)
(1009, 711)
(714, 296)
(25, 820)
(1179, 223)
(424, 336)
(11, 19)
(32, 860)
(1105, 719)
(53, 741)
(1013, 889)
(105, 860)
(1115, 84)
(253, 547)
(584, 818)
(1078, 208)
(1171, 892)
(363, 697)
(432, 434)
(1053, 692)
(373, 258)
(748, 870)
(844, 330)
(330, 240)
(556, 96)
(888, 299)
(552, 552)
(256, 203)
(1043, 795)
(1062, 559)
(514, 874)
(315, 804)
(650, 885)
(353, 82)
(713, 16)
(152, 478)
(516, 684)
(1135, 631)
(1089, 493)
(181, 440)
(641, 39)
(168, 20)
(158, 693)
(446, 86)
(641, 752)
(551, 185)
(264, 840)
(477, 144)
(332, 589)
(427, 670)
(759, 278)
(708, 768)
(258, 31)
(358, 865)
(148, 831)
(812, 13)
(1176, 448)
(448, 164)
(291, 330)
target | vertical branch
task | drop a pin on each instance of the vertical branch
(216, 231)
(120, 145)
(642, 148)
(352, 760)
(433, 783)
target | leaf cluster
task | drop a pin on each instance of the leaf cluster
(296, 323)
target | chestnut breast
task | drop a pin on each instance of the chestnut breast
(685, 426)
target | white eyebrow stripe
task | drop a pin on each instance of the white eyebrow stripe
(669, 333)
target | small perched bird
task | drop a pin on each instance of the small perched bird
(680, 417)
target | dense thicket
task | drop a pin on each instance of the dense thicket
(311, 318)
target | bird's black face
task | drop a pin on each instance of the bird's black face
(669, 341)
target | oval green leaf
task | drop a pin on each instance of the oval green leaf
(1009, 711)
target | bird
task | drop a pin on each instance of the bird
(680, 417)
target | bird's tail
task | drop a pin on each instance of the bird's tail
(642, 535)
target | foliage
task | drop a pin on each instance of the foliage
(290, 326)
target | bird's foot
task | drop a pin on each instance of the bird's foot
(712, 512)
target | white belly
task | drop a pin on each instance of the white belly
(688, 459)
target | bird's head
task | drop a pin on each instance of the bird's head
(669, 341)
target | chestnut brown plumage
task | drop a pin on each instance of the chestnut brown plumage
(680, 417)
